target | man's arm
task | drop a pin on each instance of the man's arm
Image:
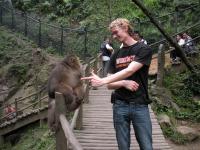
(115, 85)
(109, 47)
(128, 84)
(123, 74)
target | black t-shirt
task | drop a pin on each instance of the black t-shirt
(120, 60)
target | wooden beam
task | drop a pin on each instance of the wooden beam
(69, 134)
(61, 140)
(64, 132)
(161, 65)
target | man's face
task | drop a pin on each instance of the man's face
(119, 34)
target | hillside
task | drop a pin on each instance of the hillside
(24, 68)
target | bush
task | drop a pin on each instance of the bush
(17, 72)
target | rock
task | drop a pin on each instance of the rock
(164, 120)
(183, 123)
(164, 97)
(190, 133)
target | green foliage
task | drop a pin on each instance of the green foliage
(51, 50)
(173, 135)
(183, 87)
(45, 7)
(17, 72)
(33, 137)
(193, 82)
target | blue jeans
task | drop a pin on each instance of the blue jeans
(123, 115)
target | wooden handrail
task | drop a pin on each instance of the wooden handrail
(24, 108)
(28, 106)
(19, 110)
(69, 134)
(74, 119)
(23, 98)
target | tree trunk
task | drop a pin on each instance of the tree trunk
(165, 34)
(161, 65)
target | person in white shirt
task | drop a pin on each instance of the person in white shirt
(106, 51)
(189, 46)
(180, 40)
(173, 54)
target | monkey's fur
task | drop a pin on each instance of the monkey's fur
(65, 79)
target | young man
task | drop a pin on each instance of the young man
(128, 75)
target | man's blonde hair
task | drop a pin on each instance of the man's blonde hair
(121, 23)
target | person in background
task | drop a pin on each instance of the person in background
(106, 51)
(180, 40)
(10, 112)
(128, 76)
(138, 37)
(189, 45)
(175, 59)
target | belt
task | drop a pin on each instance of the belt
(135, 103)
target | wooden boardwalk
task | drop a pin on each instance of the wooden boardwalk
(98, 132)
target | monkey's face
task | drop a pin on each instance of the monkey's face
(73, 61)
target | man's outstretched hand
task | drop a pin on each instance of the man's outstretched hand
(94, 80)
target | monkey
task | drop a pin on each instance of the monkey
(65, 78)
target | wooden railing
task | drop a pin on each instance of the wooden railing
(64, 134)
(38, 101)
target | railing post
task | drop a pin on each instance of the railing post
(40, 105)
(1, 139)
(61, 141)
(13, 18)
(161, 65)
(61, 41)
(87, 73)
(79, 121)
(199, 3)
(16, 107)
(39, 35)
(176, 19)
(1, 14)
(85, 42)
(26, 24)
(95, 66)
(99, 65)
